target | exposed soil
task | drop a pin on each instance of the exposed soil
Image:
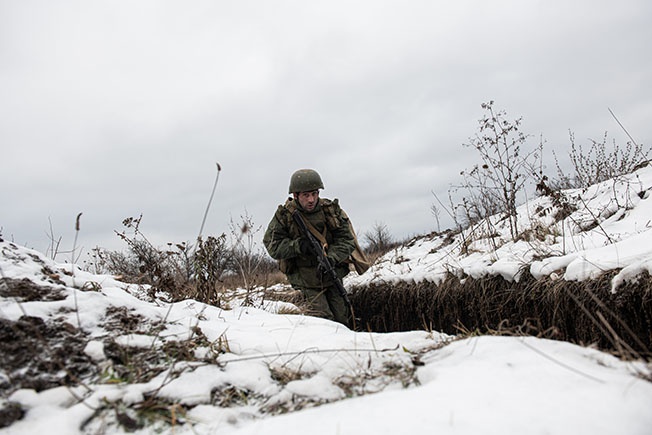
(123, 320)
(9, 413)
(39, 355)
(24, 290)
(42, 354)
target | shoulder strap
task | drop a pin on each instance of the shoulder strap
(319, 236)
(291, 207)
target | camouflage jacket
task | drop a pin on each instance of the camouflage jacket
(282, 242)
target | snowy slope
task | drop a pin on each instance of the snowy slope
(148, 366)
(234, 371)
(611, 229)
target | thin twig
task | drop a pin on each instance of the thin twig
(307, 351)
(210, 200)
(622, 126)
(54, 249)
(72, 269)
(619, 343)
(561, 364)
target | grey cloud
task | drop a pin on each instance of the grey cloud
(116, 110)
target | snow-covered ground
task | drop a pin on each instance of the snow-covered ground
(150, 367)
(611, 229)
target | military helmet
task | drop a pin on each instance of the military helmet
(305, 180)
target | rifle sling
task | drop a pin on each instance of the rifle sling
(314, 232)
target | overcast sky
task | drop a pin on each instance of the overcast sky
(117, 108)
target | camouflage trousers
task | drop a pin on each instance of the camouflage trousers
(327, 303)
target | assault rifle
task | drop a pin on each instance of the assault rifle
(324, 263)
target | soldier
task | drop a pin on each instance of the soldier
(285, 242)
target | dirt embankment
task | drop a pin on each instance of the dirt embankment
(581, 312)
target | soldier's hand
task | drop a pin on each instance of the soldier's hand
(324, 269)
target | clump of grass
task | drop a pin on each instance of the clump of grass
(585, 312)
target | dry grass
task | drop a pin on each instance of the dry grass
(256, 280)
(581, 312)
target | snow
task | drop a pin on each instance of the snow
(255, 371)
(492, 385)
(95, 350)
(610, 230)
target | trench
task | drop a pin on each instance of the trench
(586, 313)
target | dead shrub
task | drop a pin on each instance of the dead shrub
(600, 162)
(179, 271)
